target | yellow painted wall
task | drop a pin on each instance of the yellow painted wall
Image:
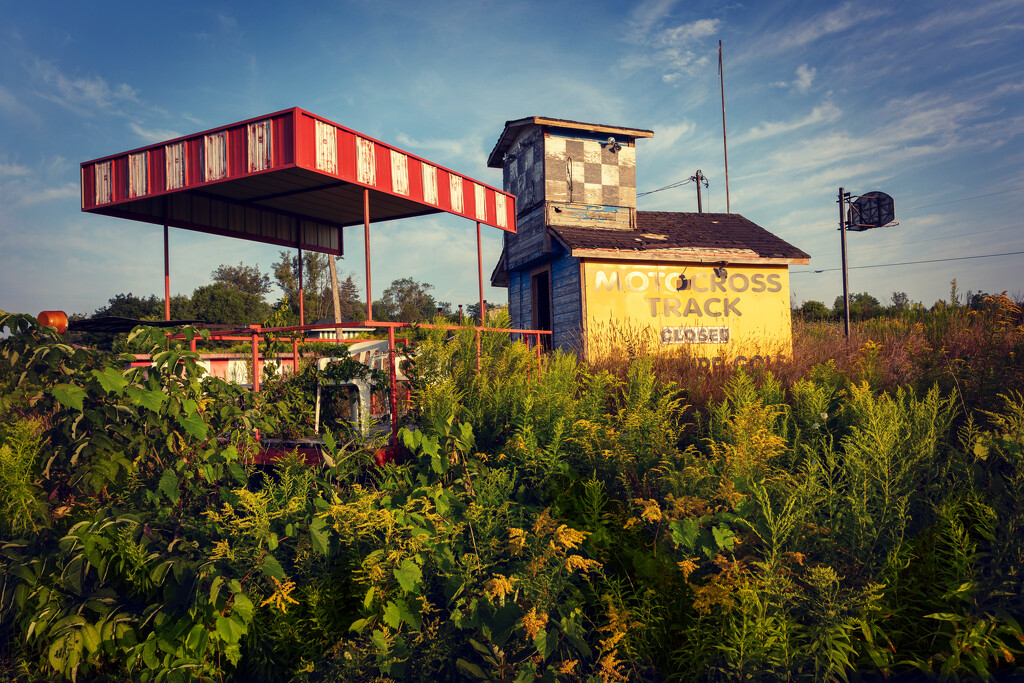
(744, 316)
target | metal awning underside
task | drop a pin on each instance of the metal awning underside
(289, 178)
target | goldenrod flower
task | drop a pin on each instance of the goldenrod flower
(610, 669)
(567, 667)
(516, 540)
(533, 622)
(282, 595)
(568, 537)
(574, 562)
(652, 511)
(688, 567)
(499, 587)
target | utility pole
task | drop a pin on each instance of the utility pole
(843, 197)
(699, 178)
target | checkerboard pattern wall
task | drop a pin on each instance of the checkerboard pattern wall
(589, 172)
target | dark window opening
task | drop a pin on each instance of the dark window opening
(540, 291)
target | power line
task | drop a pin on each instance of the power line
(930, 239)
(964, 199)
(679, 183)
(927, 206)
(911, 263)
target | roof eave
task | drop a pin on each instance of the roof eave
(496, 158)
(694, 257)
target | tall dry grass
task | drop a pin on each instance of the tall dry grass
(975, 353)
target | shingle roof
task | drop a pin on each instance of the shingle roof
(699, 234)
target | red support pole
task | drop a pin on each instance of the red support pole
(483, 307)
(167, 271)
(302, 295)
(255, 357)
(393, 378)
(480, 274)
(295, 356)
(366, 248)
(478, 349)
(526, 340)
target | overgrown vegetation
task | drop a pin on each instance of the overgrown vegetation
(852, 511)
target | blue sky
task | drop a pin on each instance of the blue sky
(922, 100)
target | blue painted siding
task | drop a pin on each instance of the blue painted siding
(566, 304)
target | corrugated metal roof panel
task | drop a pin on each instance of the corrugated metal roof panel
(284, 170)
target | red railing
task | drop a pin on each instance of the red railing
(254, 333)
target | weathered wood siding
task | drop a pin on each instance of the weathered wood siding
(531, 241)
(519, 309)
(566, 304)
(523, 173)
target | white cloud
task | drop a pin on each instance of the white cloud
(962, 15)
(804, 77)
(677, 50)
(666, 136)
(13, 170)
(465, 150)
(79, 93)
(153, 134)
(902, 135)
(687, 34)
(825, 113)
(47, 194)
(832, 22)
(802, 83)
(1009, 88)
(644, 18)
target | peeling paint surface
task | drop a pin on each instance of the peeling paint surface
(104, 182)
(366, 162)
(326, 147)
(174, 157)
(215, 156)
(137, 176)
(399, 173)
(260, 141)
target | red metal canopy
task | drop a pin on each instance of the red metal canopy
(290, 178)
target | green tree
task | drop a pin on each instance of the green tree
(472, 310)
(243, 278)
(222, 304)
(862, 306)
(900, 301)
(815, 310)
(352, 306)
(131, 306)
(406, 300)
(316, 280)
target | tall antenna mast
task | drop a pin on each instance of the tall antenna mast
(725, 147)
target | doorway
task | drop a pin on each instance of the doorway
(540, 299)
